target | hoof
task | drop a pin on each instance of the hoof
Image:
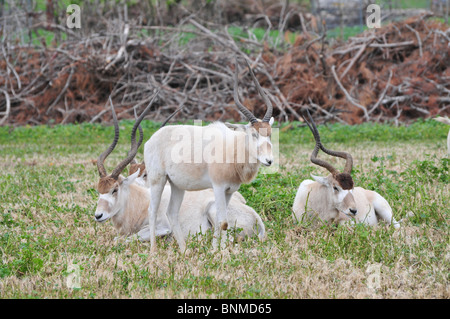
(224, 226)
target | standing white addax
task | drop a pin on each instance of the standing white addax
(126, 204)
(333, 198)
(220, 156)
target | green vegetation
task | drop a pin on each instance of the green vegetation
(346, 32)
(405, 4)
(274, 39)
(48, 198)
(87, 134)
(258, 34)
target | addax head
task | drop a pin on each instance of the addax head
(260, 131)
(339, 185)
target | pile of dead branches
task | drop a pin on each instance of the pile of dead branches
(398, 72)
(72, 83)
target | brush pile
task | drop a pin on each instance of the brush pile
(399, 72)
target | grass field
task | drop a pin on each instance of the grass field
(48, 233)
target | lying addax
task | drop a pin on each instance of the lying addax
(220, 156)
(333, 198)
(197, 213)
(111, 199)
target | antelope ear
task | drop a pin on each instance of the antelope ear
(321, 180)
(271, 121)
(130, 179)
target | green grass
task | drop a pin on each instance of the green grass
(346, 32)
(87, 133)
(405, 4)
(41, 36)
(257, 34)
(48, 198)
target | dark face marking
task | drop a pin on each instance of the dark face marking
(263, 128)
(345, 180)
(105, 184)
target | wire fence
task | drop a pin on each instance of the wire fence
(350, 15)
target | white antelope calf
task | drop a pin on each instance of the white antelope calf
(333, 198)
(220, 156)
(445, 120)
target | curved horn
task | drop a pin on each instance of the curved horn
(104, 155)
(249, 115)
(133, 138)
(172, 115)
(141, 132)
(344, 155)
(263, 94)
(318, 146)
(348, 158)
(134, 147)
